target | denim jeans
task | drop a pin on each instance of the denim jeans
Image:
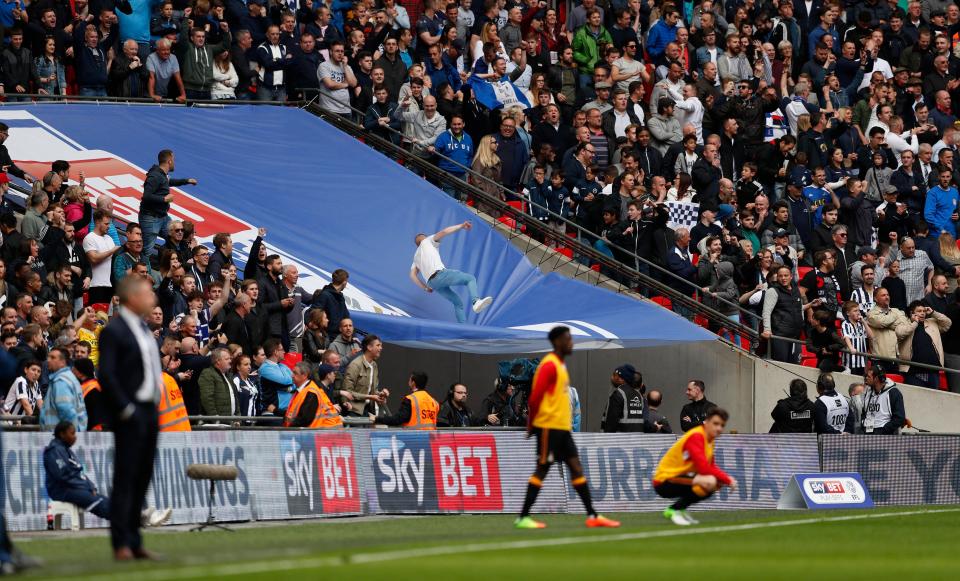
(451, 188)
(271, 93)
(93, 92)
(153, 226)
(445, 279)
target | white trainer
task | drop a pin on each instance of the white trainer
(690, 518)
(480, 305)
(160, 517)
(679, 518)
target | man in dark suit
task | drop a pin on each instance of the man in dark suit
(130, 374)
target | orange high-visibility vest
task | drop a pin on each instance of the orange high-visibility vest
(423, 411)
(326, 415)
(88, 386)
(173, 412)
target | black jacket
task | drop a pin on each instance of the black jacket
(706, 182)
(16, 66)
(792, 415)
(127, 82)
(334, 304)
(694, 413)
(451, 417)
(156, 187)
(236, 330)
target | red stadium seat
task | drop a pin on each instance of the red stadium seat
(663, 302)
(508, 222)
(694, 258)
(291, 359)
(568, 252)
(896, 377)
(803, 270)
(518, 204)
(702, 321)
(595, 268)
(943, 381)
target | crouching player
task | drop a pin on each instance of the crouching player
(687, 471)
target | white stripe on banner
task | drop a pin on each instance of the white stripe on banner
(294, 564)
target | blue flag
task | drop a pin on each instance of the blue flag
(496, 94)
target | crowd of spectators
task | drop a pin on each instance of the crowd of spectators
(817, 140)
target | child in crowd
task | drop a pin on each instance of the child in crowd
(894, 284)
(856, 336)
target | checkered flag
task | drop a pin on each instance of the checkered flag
(683, 214)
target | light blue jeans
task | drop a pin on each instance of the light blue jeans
(447, 278)
(153, 226)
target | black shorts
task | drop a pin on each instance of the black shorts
(554, 445)
(680, 487)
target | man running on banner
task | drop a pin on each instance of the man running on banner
(427, 262)
(687, 471)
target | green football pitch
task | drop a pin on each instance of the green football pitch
(907, 543)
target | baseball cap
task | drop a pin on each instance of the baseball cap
(458, 45)
(626, 372)
(866, 250)
(603, 85)
(781, 232)
(890, 189)
(323, 369)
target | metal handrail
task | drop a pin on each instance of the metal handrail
(535, 225)
(586, 251)
(874, 357)
(569, 224)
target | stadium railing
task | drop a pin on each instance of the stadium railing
(660, 283)
(520, 217)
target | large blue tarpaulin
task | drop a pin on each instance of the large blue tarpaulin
(329, 202)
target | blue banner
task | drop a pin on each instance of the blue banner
(328, 202)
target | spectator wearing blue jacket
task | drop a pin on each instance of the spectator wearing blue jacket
(940, 210)
(276, 379)
(558, 198)
(456, 145)
(535, 191)
(64, 401)
(441, 70)
(66, 481)
(91, 65)
(662, 33)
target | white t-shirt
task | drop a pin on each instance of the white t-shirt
(101, 272)
(427, 259)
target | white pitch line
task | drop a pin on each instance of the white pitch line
(403, 554)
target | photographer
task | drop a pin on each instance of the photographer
(498, 408)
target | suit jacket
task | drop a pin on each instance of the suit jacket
(121, 366)
(706, 182)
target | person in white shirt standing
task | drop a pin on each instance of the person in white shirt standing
(428, 264)
(100, 248)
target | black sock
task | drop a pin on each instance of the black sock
(583, 491)
(533, 489)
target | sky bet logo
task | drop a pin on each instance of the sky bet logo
(429, 472)
(826, 487)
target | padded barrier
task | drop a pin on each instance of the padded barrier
(291, 474)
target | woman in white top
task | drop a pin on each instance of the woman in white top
(225, 77)
(248, 396)
(681, 190)
(488, 34)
